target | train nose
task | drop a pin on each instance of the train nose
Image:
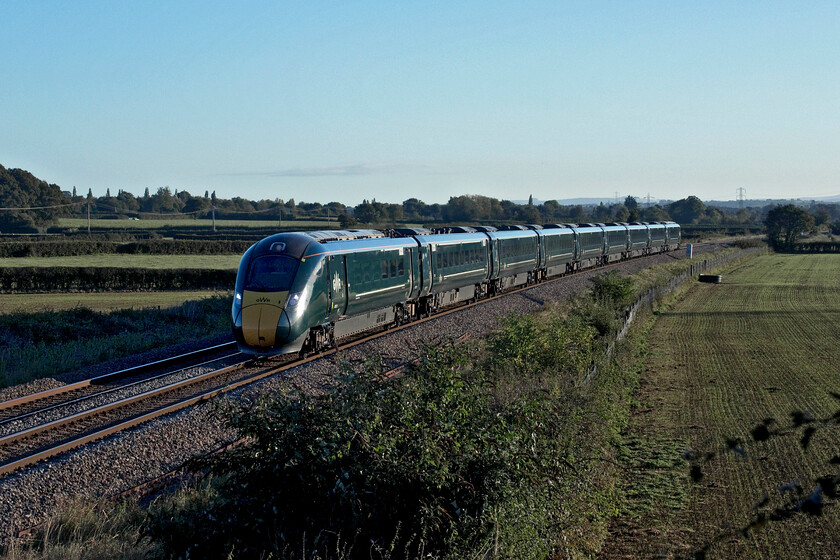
(265, 325)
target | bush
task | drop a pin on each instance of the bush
(749, 243)
(442, 462)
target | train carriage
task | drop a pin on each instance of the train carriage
(639, 238)
(617, 241)
(591, 244)
(658, 238)
(672, 235)
(298, 288)
(558, 245)
(459, 266)
(515, 255)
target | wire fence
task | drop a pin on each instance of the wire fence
(648, 298)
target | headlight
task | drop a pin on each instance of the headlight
(293, 300)
(237, 308)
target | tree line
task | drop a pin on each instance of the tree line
(20, 189)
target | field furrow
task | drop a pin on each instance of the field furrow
(723, 358)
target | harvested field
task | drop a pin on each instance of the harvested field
(720, 360)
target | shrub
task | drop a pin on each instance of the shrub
(433, 463)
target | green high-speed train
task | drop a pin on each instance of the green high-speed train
(300, 292)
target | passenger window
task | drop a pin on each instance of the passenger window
(384, 265)
(401, 267)
(393, 267)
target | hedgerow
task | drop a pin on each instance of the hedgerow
(71, 248)
(99, 279)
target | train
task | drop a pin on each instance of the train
(303, 291)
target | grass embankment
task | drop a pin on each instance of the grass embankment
(47, 343)
(720, 361)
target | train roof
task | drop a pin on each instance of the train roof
(442, 238)
(343, 234)
(513, 234)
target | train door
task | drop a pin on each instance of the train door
(425, 260)
(337, 274)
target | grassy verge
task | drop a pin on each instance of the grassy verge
(720, 362)
(216, 262)
(34, 345)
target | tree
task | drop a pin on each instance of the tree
(347, 221)
(786, 223)
(688, 210)
(21, 189)
(655, 214)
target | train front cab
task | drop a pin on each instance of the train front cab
(271, 287)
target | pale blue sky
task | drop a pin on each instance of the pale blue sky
(322, 101)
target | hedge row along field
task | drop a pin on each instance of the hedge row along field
(722, 362)
(18, 249)
(67, 279)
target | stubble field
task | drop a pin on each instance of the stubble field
(719, 362)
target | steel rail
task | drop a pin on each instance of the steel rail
(111, 390)
(16, 436)
(26, 399)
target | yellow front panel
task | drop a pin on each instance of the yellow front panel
(260, 313)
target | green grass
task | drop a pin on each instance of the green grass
(215, 262)
(82, 223)
(36, 345)
(108, 301)
(720, 360)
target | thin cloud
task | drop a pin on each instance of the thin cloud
(354, 170)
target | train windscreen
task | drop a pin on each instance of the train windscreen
(271, 273)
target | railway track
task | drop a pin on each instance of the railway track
(65, 418)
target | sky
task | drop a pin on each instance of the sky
(351, 100)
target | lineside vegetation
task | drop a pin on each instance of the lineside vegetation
(41, 344)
